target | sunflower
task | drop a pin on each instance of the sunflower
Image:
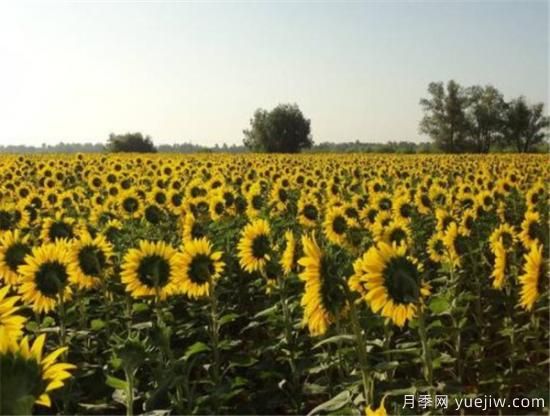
(403, 208)
(504, 234)
(392, 281)
(436, 248)
(90, 260)
(13, 249)
(289, 253)
(531, 278)
(130, 204)
(10, 323)
(57, 228)
(335, 225)
(455, 243)
(200, 268)
(217, 206)
(380, 411)
(423, 203)
(467, 222)
(444, 219)
(308, 211)
(398, 232)
(255, 201)
(531, 229)
(254, 246)
(26, 377)
(45, 276)
(192, 228)
(324, 297)
(151, 270)
(499, 269)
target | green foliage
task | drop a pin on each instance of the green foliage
(282, 130)
(478, 120)
(130, 143)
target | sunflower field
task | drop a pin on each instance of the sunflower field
(271, 284)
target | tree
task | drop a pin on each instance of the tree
(283, 129)
(525, 126)
(445, 119)
(485, 117)
(130, 142)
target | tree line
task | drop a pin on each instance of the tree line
(477, 119)
(457, 119)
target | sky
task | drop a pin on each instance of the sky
(197, 71)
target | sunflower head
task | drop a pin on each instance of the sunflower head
(14, 247)
(201, 267)
(392, 281)
(150, 270)
(45, 276)
(254, 248)
(26, 376)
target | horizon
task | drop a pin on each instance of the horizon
(196, 72)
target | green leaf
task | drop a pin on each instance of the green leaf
(337, 402)
(196, 348)
(225, 319)
(97, 324)
(439, 305)
(335, 339)
(116, 383)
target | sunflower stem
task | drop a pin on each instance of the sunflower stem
(360, 347)
(129, 393)
(290, 344)
(426, 351)
(214, 336)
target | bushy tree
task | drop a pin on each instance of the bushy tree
(283, 130)
(130, 142)
(525, 126)
(485, 118)
(445, 116)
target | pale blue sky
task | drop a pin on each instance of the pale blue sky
(197, 71)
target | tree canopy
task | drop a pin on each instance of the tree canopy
(130, 142)
(478, 119)
(283, 130)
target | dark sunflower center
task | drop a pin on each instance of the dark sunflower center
(310, 212)
(439, 247)
(446, 221)
(153, 214)
(351, 212)
(260, 246)
(153, 271)
(371, 215)
(219, 208)
(229, 198)
(426, 201)
(130, 204)
(257, 201)
(402, 280)
(384, 204)
(160, 198)
(534, 230)
(51, 278)
(283, 196)
(197, 230)
(397, 235)
(469, 223)
(15, 255)
(201, 268)
(5, 220)
(405, 210)
(92, 260)
(332, 292)
(60, 229)
(339, 225)
(176, 200)
(507, 239)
